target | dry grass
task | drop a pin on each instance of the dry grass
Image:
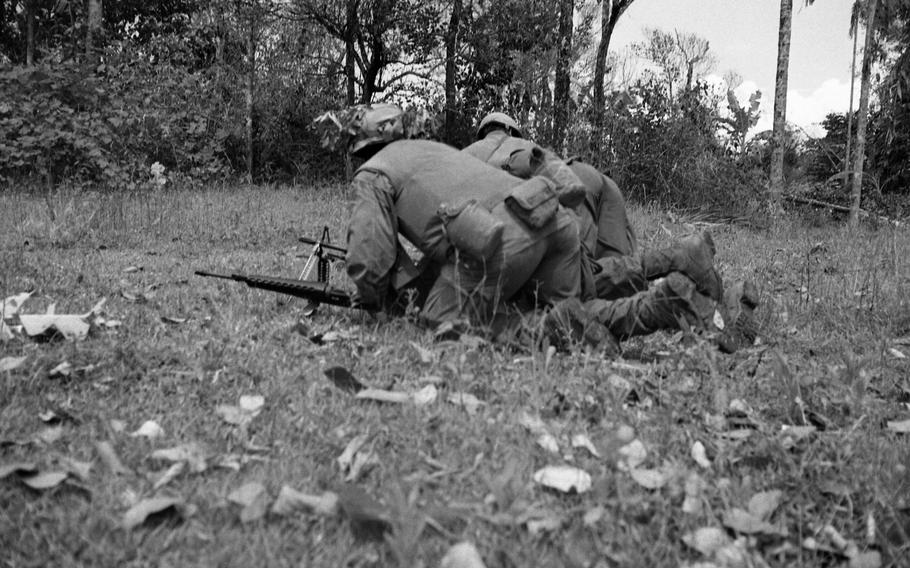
(834, 303)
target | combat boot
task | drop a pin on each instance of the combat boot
(738, 312)
(666, 305)
(568, 323)
(694, 257)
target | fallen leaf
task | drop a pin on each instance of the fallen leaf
(131, 269)
(250, 407)
(593, 516)
(382, 395)
(254, 500)
(173, 320)
(346, 459)
(252, 403)
(421, 397)
(649, 478)
(625, 434)
(583, 441)
(110, 459)
(618, 382)
(192, 453)
(896, 353)
(762, 505)
(143, 510)
(718, 320)
(533, 424)
(50, 434)
(344, 380)
(549, 443)
(363, 462)
(149, 429)
(425, 355)
(707, 540)
(563, 478)
(45, 480)
(740, 434)
(290, 500)
(425, 396)
(78, 468)
(548, 523)
(118, 426)
(900, 426)
(19, 468)
(694, 489)
(632, 455)
(169, 475)
(700, 455)
(743, 522)
(462, 555)
(465, 400)
(10, 363)
(63, 370)
(137, 298)
(70, 326)
(6, 333)
(10, 306)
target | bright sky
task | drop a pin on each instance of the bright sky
(743, 38)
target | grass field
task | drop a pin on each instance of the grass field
(793, 452)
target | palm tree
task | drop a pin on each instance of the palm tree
(780, 103)
(861, 120)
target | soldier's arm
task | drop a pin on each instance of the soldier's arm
(372, 237)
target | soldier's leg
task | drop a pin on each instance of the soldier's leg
(615, 235)
(617, 276)
(660, 307)
(693, 256)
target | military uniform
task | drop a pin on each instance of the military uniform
(421, 190)
(611, 267)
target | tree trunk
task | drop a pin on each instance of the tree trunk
(780, 104)
(30, 32)
(451, 52)
(561, 86)
(600, 64)
(847, 164)
(250, 90)
(92, 29)
(610, 12)
(862, 117)
(350, 35)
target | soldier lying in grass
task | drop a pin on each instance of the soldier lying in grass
(495, 246)
(611, 259)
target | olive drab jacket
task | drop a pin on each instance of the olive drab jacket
(457, 211)
(603, 225)
(523, 158)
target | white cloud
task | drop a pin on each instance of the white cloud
(806, 110)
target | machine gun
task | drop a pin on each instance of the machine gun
(405, 276)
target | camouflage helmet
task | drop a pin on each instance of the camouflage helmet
(498, 119)
(374, 125)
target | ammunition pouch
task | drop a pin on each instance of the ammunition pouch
(534, 202)
(472, 229)
(569, 189)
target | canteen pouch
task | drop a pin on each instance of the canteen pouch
(472, 229)
(534, 202)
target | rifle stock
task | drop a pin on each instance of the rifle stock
(320, 292)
